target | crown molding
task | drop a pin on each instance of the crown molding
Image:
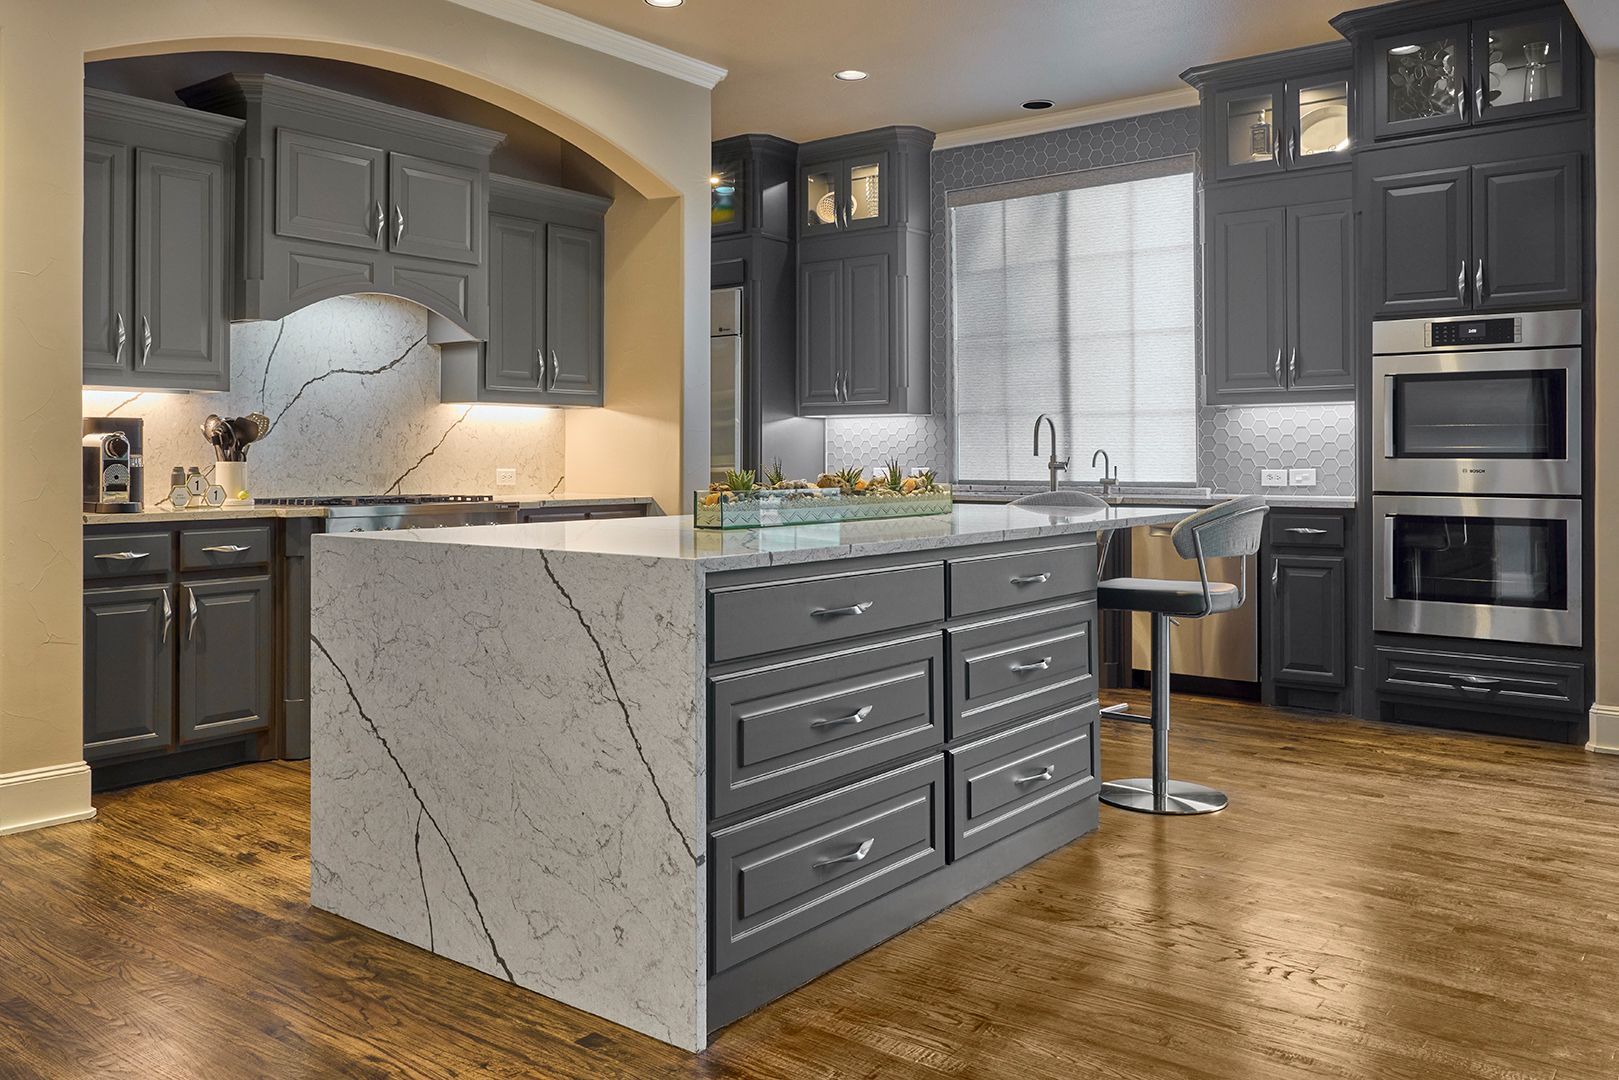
(560, 24)
(1040, 123)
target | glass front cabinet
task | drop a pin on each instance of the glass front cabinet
(1277, 113)
(1492, 69)
(846, 194)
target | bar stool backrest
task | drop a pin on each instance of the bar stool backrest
(1231, 528)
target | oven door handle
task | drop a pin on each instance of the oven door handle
(1388, 556)
(1388, 417)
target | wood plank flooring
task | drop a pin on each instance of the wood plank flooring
(1378, 903)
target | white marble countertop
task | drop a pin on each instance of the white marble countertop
(1174, 498)
(568, 498)
(675, 538)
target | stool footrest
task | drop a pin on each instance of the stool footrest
(1120, 712)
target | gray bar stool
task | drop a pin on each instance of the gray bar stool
(1230, 529)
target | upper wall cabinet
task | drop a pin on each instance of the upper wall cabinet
(546, 328)
(870, 180)
(1446, 64)
(1277, 113)
(346, 195)
(158, 185)
(752, 187)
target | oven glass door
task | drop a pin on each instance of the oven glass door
(1489, 422)
(1506, 569)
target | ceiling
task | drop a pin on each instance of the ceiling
(949, 64)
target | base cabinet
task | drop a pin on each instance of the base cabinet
(1305, 610)
(129, 649)
(224, 684)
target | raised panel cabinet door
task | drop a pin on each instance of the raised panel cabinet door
(1309, 610)
(1527, 232)
(1420, 226)
(573, 313)
(107, 265)
(437, 209)
(868, 282)
(1249, 310)
(226, 647)
(183, 334)
(129, 642)
(329, 190)
(513, 358)
(820, 335)
(1320, 293)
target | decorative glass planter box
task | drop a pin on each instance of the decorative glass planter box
(810, 506)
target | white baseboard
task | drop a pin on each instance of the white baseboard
(35, 798)
(1604, 730)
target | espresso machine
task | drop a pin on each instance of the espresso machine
(112, 465)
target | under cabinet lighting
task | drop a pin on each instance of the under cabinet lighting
(849, 75)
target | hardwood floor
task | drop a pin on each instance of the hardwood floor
(1377, 903)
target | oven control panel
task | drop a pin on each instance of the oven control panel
(1507, 330)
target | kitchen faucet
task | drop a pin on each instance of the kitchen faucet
(1055, 465)
(1107, 481)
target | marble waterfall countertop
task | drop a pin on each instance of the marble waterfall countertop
(1199, 497)
(675, 538)
(227, 514)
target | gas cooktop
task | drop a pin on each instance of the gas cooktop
(371, 500)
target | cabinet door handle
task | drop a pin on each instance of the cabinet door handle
(1276, 366)
(1032, 579)
(123, 556)
(1304, 530)
(541, 354)
(1461, 281)
(1293, 145)
(555, 367)
(121, 337)
(1046, 773)
(399, 223)
(838, 721)
(1461, 103)
(168, 616)
(1478, 281)
(194, 616)
(857, 855)
(1042, 665)
(1292, 364)
(227, 549)
(382, 219)
(848, 215)
(835, 612)
(1275, 147)
(146, 338)
(1478, 100)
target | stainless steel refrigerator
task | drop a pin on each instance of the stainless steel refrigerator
(726, 448)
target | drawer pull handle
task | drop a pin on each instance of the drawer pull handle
(833, 612)
(1478, 680)
(1041, 666)
(124, 556)
(835, 721)
(1032, 579)
(857, 855)
(1304, 531)
(228, 549)
(1046, 773)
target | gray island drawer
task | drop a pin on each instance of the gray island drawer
(1021, 666)
(1013, 779)
(989, 582)
(755, 620)
(786, 729)
(782, 874)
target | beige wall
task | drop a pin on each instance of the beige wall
(1605, 718)
(650, 129)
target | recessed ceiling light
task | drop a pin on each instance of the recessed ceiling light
(1037, 104)
(849, 75)
(665, 3)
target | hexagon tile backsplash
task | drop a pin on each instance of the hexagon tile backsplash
(1234, 443)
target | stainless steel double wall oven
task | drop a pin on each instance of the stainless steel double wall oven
(1476, 470)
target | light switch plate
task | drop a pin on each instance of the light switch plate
(1301, 478)
(506, 477)
(1272, 477)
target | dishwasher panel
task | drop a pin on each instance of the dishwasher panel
(1224, 646)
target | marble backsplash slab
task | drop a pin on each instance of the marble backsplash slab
(351, 387)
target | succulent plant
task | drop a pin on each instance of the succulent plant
(774, 477)
(927, 481)
(848, 478)
(894, 475)
(739, 481)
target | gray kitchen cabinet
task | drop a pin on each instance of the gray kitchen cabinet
(129, 649)
(863, 274)
(1527, 232)
(345, 195)
(226, 648)
(1248, 312)
(546, 308)
(159, 182)
(1482, 232)
(107, 261)
(1307, 623)
(330, 190)
(1320, 296)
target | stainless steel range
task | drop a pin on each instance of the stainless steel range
(377, 513)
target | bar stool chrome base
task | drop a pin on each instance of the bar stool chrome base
(1179, 798)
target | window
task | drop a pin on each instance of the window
(1077, 302)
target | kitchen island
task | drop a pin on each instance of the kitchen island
(666, 775)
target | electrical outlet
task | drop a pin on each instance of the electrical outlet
(1272, 477)
(1301, 478)
(506, 477)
